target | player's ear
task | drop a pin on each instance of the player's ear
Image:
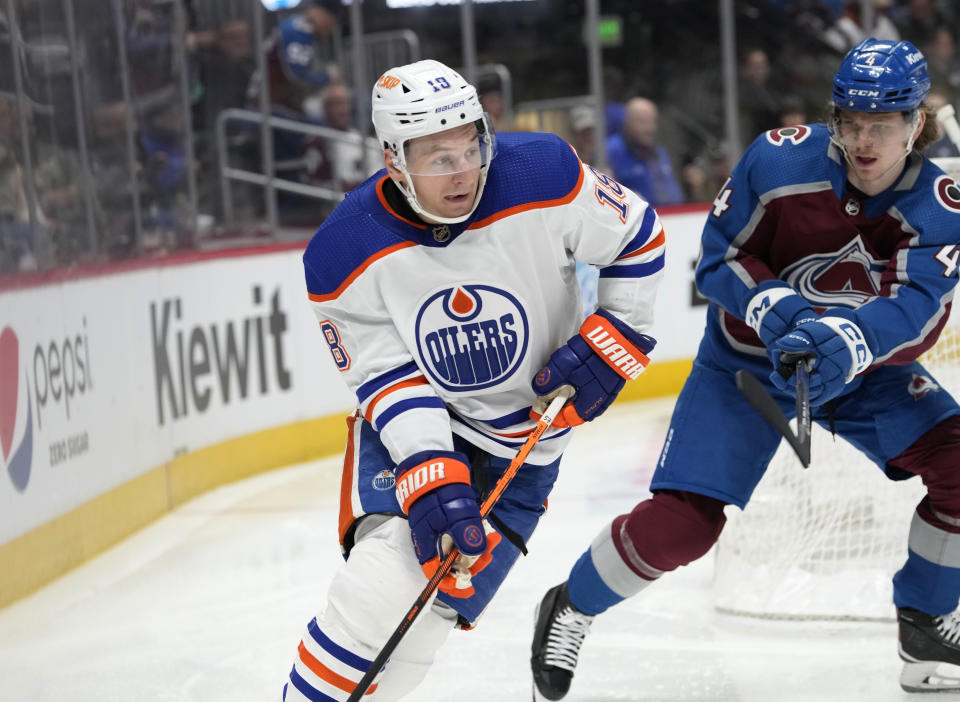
(390, 163)
(922, 121)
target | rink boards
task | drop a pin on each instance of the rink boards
(126, 392)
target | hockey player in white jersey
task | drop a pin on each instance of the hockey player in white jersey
(446, 292)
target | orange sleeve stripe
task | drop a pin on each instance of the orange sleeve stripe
(327, 675)
(657, 242)
(516, 209)
(346, 484)
(360, 269)
(419, 380)
(514, 434)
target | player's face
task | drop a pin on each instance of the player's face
(445, 168)
(876, 143)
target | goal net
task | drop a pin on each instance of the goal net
(823, 543)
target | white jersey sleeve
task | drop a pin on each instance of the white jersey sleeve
(621, 234)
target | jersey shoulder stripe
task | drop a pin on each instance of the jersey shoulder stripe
(351, 239)
(781, 166)
(530, 171)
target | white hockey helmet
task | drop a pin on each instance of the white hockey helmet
(424, 98)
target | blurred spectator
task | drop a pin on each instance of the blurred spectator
(758, 100)
(226, 65)
(583, 133)
(848, 30)
(943, 64)
(113, 182)
(162, 145)
(490, 94)
(942, 147)
(638, 161)
(16, 240)
(302, 56)
(919, 21)
(791, 112)
(150, 53)
(704, 174)
(340, 164)
(302, 59)
(58, 175)
(614, 92)
(338, 107)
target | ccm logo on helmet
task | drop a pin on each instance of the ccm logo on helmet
(388, 81)
(452, 106)
(865, 93)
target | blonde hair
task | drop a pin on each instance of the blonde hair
(931, 128)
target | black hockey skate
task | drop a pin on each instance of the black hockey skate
(930, 649)
(559, 630)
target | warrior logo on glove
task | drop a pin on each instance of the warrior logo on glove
(434, 491)
(596, 363)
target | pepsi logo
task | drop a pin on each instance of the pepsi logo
(16, 413)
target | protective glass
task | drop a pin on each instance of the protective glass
(851, 130)
(437, 155)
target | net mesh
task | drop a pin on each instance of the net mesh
(823, 543)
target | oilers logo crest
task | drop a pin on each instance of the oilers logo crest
(471, 337)
(384, 480)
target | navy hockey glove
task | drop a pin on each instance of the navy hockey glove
(433, 489)
(839, 348)
(775, 310)
(596, 363)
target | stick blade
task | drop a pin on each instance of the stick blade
(758, 397)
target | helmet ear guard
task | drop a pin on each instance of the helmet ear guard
(424, 98)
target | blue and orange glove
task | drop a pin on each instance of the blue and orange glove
(596, 363)
(840, 350)
(433, 489)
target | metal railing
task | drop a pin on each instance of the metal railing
(266, 177)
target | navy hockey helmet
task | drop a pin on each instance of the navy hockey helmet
(881, 76)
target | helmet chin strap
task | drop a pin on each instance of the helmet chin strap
(410, 192)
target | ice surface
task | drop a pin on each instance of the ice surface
(209, 603)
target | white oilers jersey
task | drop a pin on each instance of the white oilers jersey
(440, 328)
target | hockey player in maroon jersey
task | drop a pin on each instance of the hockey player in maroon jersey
(838, 243)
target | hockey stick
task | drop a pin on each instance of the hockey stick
(758, 397)
(802, 369)
(946, 116)
(546, 419)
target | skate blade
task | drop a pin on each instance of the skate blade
(930, 676)
(537, 696)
